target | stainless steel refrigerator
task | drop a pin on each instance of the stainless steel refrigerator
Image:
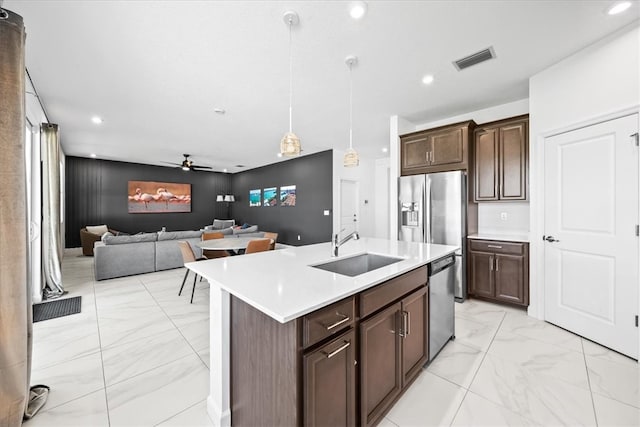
(433, 209)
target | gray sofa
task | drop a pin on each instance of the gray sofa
(117, 256)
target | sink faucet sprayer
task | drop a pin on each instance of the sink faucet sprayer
(337, 243)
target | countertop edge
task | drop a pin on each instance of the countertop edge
(522, 238)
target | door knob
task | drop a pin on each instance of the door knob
(550, 239)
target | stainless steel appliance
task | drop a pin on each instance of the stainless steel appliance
(442, 276)
(433, 209)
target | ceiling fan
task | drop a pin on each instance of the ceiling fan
(187, 164)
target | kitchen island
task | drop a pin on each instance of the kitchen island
(266, 309)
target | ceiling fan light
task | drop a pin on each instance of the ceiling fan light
(185, 168)
(290, 145)
(351, 158)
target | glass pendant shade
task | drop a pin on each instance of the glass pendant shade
(290, 145)
(351, 158)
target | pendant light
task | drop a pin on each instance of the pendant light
(290, 143)
(351, 158)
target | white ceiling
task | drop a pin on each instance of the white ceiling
(155, 70)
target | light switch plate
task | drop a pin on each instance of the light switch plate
(326, 212)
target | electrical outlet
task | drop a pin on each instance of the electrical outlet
(503, 216)
(326, 212)
(298, 237)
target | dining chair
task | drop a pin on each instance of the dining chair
(211, 254)
(258, 245)
(188, 256)
(273, 237)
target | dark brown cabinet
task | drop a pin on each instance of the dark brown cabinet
(440, 149)
(499, 271)
(330, 383)
(341, 365)
(394, 348)
(501, 164)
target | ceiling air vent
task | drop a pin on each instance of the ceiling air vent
(475, 58)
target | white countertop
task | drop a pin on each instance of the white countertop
(282, 284)
(523, 237)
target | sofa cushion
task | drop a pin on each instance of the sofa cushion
(251, 229)
(223, 223)
(179, 235)
(137, 238)
(97, 229)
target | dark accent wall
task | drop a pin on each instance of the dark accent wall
(96, 193)
(313, 177)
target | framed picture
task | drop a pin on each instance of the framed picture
(158, 197)
(288, 195)
(255, 197)
(270, 196)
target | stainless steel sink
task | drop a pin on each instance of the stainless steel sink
(359, 264)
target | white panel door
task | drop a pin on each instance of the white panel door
(591, 211)
(348, 206)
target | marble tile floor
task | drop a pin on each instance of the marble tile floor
(137, 355)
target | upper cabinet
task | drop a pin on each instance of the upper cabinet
(445, 148)
(501, 161)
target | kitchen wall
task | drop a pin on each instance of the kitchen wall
(595, 84)
(363, 175)
(313, 177)
(96, 193)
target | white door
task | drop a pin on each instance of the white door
(591, 211)
(348, 206)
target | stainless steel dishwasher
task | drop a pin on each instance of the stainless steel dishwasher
(442, 279)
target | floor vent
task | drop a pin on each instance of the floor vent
(475, 58)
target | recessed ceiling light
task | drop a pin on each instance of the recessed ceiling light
(279, 154)
(97, 120)
(224, 170)
(619, 7)
(357, 9)
(219, 110)
(428, 79)
(93, 155)
(385, 149)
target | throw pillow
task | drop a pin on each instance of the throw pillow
(106, 235)
(97, 229)
(223, 223)
(245, 225)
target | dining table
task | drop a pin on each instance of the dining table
(231, 244)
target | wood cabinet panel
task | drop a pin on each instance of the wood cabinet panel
(447, 147)
(499, 271)
(441, 149)
(330, 383)
(513, 157)
(481, 274)
(510, 279)
(415, 332)
(486, 165)
(327, 321)
(380, 377)
(380, 296)
(415, 152)
(501, 160)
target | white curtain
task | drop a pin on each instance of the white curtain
(51, 240)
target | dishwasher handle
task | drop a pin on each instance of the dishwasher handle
(441, 264)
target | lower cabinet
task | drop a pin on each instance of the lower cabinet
(394, 347)
(330, 383)
(499, 271)
(341, 365)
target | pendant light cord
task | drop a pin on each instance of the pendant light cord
(3, 13)
(350, 106)
(290, 80)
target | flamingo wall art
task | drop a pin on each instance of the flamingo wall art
(158, 197)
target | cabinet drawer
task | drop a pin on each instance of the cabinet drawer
(497, 247)
(388, 292)
(327, 321)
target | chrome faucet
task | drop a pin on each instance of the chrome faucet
(336, 243)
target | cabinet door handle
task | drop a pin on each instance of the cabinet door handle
(494, 246)
(407, 323)
(344, 319)
(497, 264)
(337, 350)
(491, 263)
